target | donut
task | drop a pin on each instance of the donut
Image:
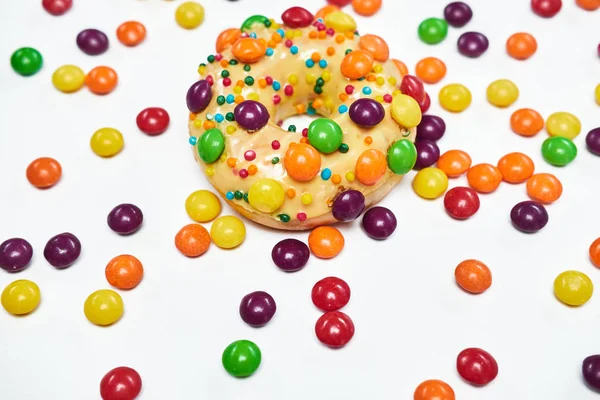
(264, 72)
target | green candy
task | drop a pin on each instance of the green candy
(558, 151)
(26, 61)
(402, 156)
(433, 30)
(211, 145)
(255, 19)
(325, 135)
(241, 358)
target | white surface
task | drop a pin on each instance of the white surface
(411, 319)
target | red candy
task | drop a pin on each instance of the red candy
(461, 202)
(424, 106)
(297, 17)
(546, 8)
(121, 383)
(476, 366)
(330, 294)
(57, 7)
(334, 328)
(339, 3)
(153, 121)
(413, 87)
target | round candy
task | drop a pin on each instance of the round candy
(461, 202)
(430, 183)
(189, 15)
(472, 44)
(211, 145)
(406, 111)
(559, 151)
(431, 127)
(325, 242)
(297, 17)
(592, 140)
(339, 3)
(302, 162)
(366, 112)
(241, 358)
(589, 5)
(251, 115)
(266, 195)
(92, 42)
(455, 97)
(44, 172)
(433, 30)
(131, 33)
(199, 96)
(334, 329)
(430, 70)
(125, 219)
(402, 156)
(521, 46)
(248, 50)
(428, 153)
(371, 165)
(376, 46)
(153, 120)
(26, 61)
(529, 216)
(348, 205)
(413, 87)
(257, 308)
(502, 93)
(476, 366)
(121, 383)
(573, 288)
(516, 167)
(290, 255)
(20, 297)
(325, 135)
(62, 250)
(425, 104)
(103, 307)
(458, 14)
(454, 163)
(228, 232)
(597, 92)
(124, 272)
(563, 124)
(192, 240)
(434, 390)
(330, 294)
(526, 122)
(595, 252)
(545, 188)
(366, 8)
(485, 178)
(15, 254)
(68, 78)
(546, 8)
(473, 276)
(340, 22)
(591, 371)
(101, 80)
(379, 223)
(202, 206)
(57, 7)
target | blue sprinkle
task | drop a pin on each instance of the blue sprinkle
(361, 79)
(367, 90)
(219, 118)
(326, 174)
(281, 32)
(269, 52)
(323, 63)
(209, 117)
(294, 49)
(311, 111)
(193, 140)
(276, 85)
(229, 195)
(320, 20)
(230, 98)
(343, 109)
(310, 63)
(253, 35)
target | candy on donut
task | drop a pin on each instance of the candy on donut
(265, 72)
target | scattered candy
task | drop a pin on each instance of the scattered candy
(433, 30)
(458, 14)
(340, 22)
(62, 250)
(357, 64)
(153, 121)
(455, 97)
(57, 7)
(15, 254)
(101, 80)
(529, 216)
(428, 153)
(121, 383)
(192, 240)
(44, 172)
(472, 44)
(325, 135)
(189, 15)
(228, 232)
(454, 163)
(595, 252)
(366, 8)
(563, 124)
(413, 87)
(26, 61)
(266, 195)
(545, 188)
(473, 276)
(103, 307)
(365, 112)
(431, 128)
(241, 358)
(592, 140)
(526, 122)
(402, 156)
(290, 255)
(125, 219)
(516, 167)
(476, 366)
(325, 242)
(257, 308)
(20, 297)
(461, 202)
(521, 46)
(92, 42)
(124, 272)
(131, 33)
(485, 178)
(376, 46)
(546, 8)
(590, 367)
(348, 206)
(430, 70)
(330, 294)
(202, 206)
(297, 17)
(434, 390)
(199, 96)
(589, 5)
(379, 222)
(502, 93)
(334, 329)
(430, 183)
(597, 90)
(573, 288)
(406, 111)
(559, 151)
(68, 78)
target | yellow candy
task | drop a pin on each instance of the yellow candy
(502, 93)
(68, 78)
(573, 288)
(430, 183)
(202, 206)
(228, 232)
(21, 297)
(563, 124)
(266, 195)
(340, 21)
(598, 94)
(103, 307)
(406, 111)
(106, 142)
(189, 15)
(455, 97)
(306, 199)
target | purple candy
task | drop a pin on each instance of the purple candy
(251, 115)
(593, 141)
(591, 371)
(62, 250)
(257, 308)
(431, 128)
(458, 14)
(529, 216)
(379, 223)
(92, 42)
(290, 255)
(15, 254)
(428, 153)
(199, 96)
(472, 44)
(125, 219)
(348, 205)
(366, 112)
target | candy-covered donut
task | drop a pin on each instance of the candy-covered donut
(264, 73)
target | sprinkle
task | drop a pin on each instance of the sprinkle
(280, 32)
(371, 78)
(253, 35)
(249, 81)
(317, 103)
(311, 111)
(269, 80)
(230, 129)
(304, 140)
(368, 140)
(396, 92)
(330, 32)
(340, 39)
(219, 118)
(237, 90)
(284, 218)
(231, 162)
(290, 193)
(229, 116)
(243, 173)
(275, 145)
(348, 51)
(233, 62)
(210, 59)
(318, 89)
(250, 155)
(310, 63)
(210, 171)
(252, 169)
(202, 69)
(246, 197)
(294, 49)
(292, 128)
(326, 174)
(276, 86)
(343, 96)
(269, 52)
(380, 81)
(306, 198)
(312, 35)
(336, 179)
(247, 68)
(274, 160)
(238, 195)
(239, 99)
(387, 98)
(289, 34)
(230, 98)
(320, 20)
(367, 90)
(198, 123)
(310, 79)
(288, 90)
(320, 82)
(349, 89)
(221, 100)
(293, 79)
(276, 99)
(229, 195)
(209, 117)
(343, 148)
(210, 80)
(253, 96)
(392, 81)
(378, 68)
(218, 57)
(305, 132)
(208, 125)
(323, 63)
(223, 157)
(350, 176)
(379, 99)
(326, 76)
(343, 109)
(330, 51)
(193, 140)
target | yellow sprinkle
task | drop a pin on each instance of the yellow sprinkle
(392, 81)
(298, 33)
(198, 123)
(274, 25)
(306, 198)
(380, 81)
(310, 79)
(223, 157)
(377, 68)
(350, 176)
(289, 34)
(201, 69)
(293, 79)
(237, 90)
(230, 129)
(328, 103)
(210, 171)
(253, 96)
(396, 92)
(326, 76)
(379, 99)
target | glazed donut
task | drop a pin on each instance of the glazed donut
(266, 72)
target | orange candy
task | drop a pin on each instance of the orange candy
(473, 276)
(302, 162)
(325, 242)
(454, 163)
(249, 50)
(401, 67)
(526, 122)
(376, 46)
(595, 252)
(485, 178)
(102, 80)
(516, 167)
(192, 240)
(521, 46)
(325, 11)
(44, 172)
(131, 33)
(370, 167)
(227, 38)
(434, 390)
(357, 64)
(366, 7)
(545, 188)
(431, 70)
(124, 272)
(589, 5)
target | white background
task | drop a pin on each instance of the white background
(411, 319)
